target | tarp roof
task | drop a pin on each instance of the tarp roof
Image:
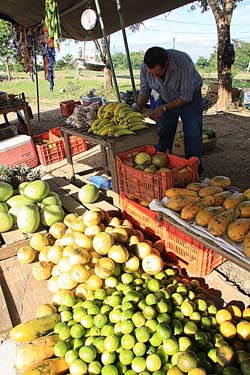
(30, 13)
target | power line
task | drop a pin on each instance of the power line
(193, 23)
(190, 32)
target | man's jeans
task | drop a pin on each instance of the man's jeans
(191, 116)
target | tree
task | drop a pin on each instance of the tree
(103, 54)
(68, 60)
(202, 62)
(6, 45)
(222, 11)
(242, 59)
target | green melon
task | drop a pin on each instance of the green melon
(36, 191)
(89, 193)
(3, 207)
(6, 191)
(6, 222)
(28, 218)
(51, 214)
(22, 186)
(51, 199)
(17, 201)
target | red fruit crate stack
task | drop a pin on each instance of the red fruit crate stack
(76, 144)
(48, 151)
(67, 107)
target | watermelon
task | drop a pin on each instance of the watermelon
(89, 193)
(36, 191)
(6, 191)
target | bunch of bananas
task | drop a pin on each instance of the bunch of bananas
(117, 119)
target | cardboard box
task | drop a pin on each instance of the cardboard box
(179, 150)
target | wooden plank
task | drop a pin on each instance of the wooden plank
(5, 321)
(23, 294)
(13, 236)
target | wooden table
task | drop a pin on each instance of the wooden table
(110, 147)
(19, 106)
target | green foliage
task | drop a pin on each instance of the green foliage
(121, 62)
(242, 54)
(7, 52)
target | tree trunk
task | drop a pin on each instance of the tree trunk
(224, 72)
(8, 70)
(108, 83)
(223, 16)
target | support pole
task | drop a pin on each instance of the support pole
(108, 50)
(119, 8)
(37, 86)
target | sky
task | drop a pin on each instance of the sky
(190, 31)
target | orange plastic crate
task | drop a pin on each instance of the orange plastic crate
(49, 152)
(190, 253)
(141, 217)
(76, 144)
(67, 107)
(148, 186)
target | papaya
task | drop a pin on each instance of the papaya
(30, 354)
(176, 192)
(53, 366)
(195, 186)
(244, 208)
(219, 198)
(32, 329)
(221, 181)
(177, 203)
(238, 229)
(246, 245)
(233, 201)
(218, 224)
(246, 194)
(210, 190)
(206, 213)
(28, 218)
(189, 212)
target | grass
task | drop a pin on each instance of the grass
(69, 86)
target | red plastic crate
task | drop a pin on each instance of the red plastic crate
(190, 253)
(140, 216)
(76, 144)
(49, 152)
(67, 107)
(148, 186)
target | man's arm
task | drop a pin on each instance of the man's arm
(142, 101)
(159, 111)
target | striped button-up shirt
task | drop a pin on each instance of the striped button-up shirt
(181, 80)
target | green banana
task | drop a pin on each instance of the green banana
(100, 111)
(105, 131)
(124, 112)
(137, 127)
(107, 126)
(102, 123)
(120, 132)
(118, 107)
(134, 115)
(95, 123)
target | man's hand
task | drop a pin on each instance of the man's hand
(157, 113)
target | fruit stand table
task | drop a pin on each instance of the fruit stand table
(15, 106)
(109, 147)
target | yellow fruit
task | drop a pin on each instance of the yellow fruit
(223, 315)
(104, 267)
(102, 242)
(26, 254)
(79, 273)
(94, 282)
(152, 264)
(45, 309)
(41, 270)
(38, 241)
(118, 253)
(228, 329)
(57, 230)
(142, 249)
(55, 253)
(243, 330)
(91, 217)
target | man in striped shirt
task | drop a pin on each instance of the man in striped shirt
(173, 75)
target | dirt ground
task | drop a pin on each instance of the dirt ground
(231, 158)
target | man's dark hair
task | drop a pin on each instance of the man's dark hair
(155, 56)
